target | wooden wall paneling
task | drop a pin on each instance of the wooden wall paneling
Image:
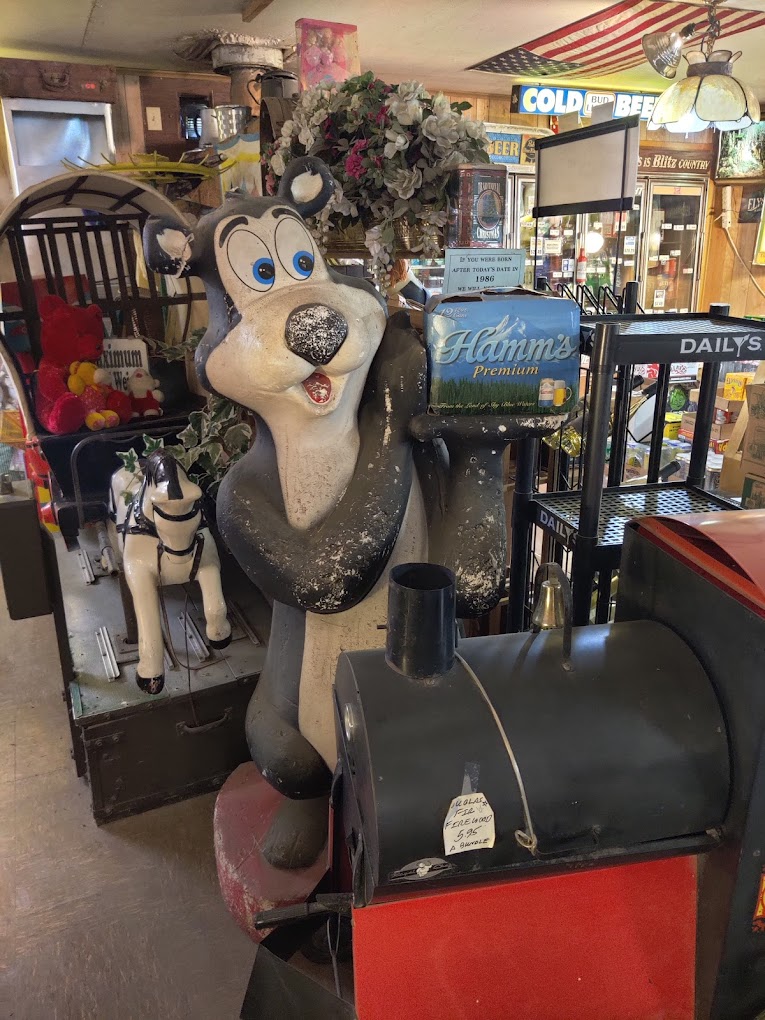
(481, 108)
(496, 110)
(723, 277)
(499, 110)
(163, 90)
(128, 117)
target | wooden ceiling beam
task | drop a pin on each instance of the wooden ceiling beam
(253, 8)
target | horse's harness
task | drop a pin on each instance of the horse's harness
(143, 526)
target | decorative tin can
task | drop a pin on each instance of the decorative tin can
(479, 219)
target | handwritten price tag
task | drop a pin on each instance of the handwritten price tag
(469, 824)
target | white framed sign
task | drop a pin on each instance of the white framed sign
(470, 269)
(122, 357)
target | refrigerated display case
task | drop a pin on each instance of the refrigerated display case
(599, 237)
(660, 245)
(673, 245)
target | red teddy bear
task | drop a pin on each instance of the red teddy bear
(71, 334)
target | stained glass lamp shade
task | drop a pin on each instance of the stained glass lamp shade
(708, 97)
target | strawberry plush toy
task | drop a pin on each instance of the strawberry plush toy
(68, 394)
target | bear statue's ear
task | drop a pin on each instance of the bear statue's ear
(308, 184)
(167, 247)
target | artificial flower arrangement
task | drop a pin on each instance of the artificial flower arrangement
(392, 150)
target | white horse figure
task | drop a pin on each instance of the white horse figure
(165, 542)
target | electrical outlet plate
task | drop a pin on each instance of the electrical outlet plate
(153, 118)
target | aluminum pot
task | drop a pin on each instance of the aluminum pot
(209, 133)
(230, 119)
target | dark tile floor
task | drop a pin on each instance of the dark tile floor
(121, 922)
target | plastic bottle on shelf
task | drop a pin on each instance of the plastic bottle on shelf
(581, 268)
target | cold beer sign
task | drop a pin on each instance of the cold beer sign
(554, 102)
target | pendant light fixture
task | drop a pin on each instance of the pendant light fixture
(709, 96)
(664, 49)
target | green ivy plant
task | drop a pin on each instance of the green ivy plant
(131, 463)
(216, 437)
(175, 351)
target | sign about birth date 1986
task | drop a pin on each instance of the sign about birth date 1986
(472, 269)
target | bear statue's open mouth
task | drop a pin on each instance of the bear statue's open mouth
(318, 387)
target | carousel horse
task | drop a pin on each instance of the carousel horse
(165, 542)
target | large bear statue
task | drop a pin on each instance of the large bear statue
(335, 490)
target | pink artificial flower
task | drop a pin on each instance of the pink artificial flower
(354, 166)
(381, 117)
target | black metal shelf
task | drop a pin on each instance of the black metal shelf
(559, 512)
(590, 522)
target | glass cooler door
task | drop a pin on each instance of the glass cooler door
(555, 257)
(673, 245)
(600, 239)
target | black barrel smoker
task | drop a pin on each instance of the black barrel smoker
(564, 825)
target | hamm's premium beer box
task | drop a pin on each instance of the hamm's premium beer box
(511, 352)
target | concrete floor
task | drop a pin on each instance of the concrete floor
(121, 922)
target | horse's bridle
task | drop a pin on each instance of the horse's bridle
(143, 526)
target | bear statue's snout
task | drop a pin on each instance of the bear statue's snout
(315, 333)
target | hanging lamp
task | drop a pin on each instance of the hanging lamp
(664, 49)
(709, 96)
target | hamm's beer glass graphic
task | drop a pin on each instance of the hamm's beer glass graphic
(562, 393)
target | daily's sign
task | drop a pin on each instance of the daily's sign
(554, 102)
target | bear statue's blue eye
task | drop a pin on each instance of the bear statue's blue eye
(303, 263)
(264, 271)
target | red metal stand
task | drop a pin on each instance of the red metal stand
(243, 812)
(604, 944)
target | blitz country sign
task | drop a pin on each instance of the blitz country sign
(554, 102)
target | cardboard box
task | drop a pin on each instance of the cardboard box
(502, 352)
(755, 400)
(753, 449)
(736, 384)
(725, 410)
(720, 433)
(732, 475)
(753, 493)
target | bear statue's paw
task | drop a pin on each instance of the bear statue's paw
(298, 833)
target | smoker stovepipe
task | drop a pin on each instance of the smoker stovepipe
(421, 620)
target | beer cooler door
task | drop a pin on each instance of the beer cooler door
(555, 256)
(606, 252)
(672, 247)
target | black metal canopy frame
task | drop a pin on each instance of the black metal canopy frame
(100, 248)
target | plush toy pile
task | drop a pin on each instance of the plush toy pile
(72, 390)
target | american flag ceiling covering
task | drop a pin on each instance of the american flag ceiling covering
(609, 40)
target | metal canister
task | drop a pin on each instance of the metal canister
(478, 219)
